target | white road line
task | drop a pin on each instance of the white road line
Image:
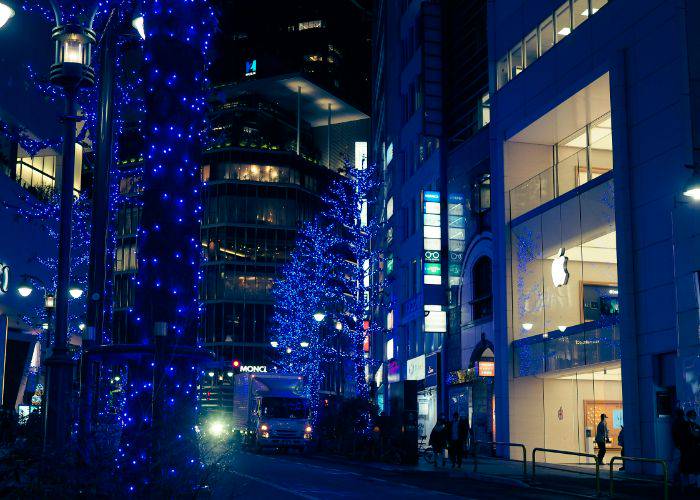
(273, 485)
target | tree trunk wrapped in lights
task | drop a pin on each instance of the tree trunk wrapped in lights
(159, 444)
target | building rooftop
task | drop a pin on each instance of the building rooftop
(282, 90)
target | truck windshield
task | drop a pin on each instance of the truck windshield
(284, 408)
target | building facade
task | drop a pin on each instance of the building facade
(430, 107)
(593, 119)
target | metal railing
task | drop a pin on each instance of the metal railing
(510, 445)
(647, 460)
(571, 453)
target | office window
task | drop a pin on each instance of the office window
(502, 72)
(596, 5)
(546, 35)
(481, 289)
(579, 12)
(531, 48)
(484, 110)
(516, 60)
(562, 18)
(483, 193)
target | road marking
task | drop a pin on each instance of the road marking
(273, 485)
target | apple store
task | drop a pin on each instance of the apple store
(563, 298)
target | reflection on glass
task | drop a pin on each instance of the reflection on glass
(546, 35)
(516, 60)
(531, 48)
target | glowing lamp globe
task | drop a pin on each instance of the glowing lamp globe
(319, 316)
(75, 291)
(6, 13)
(138, 24)
(25, 289)
(304, 343)
(72, 56)
(692, 187)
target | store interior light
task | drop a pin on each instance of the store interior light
(562, 328)
(527, 326)
(6, 13)
(564, 31)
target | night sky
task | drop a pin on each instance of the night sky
(26, 39)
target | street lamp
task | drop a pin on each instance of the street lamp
(692, 187)
(274, 343)
(304, 343)
(6, 13)
(319, 316)
(25, 288)
(137, 22)
(75, 291)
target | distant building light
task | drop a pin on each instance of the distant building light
(251, 67)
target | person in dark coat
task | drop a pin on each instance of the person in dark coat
(602, 437)
(621, 442)
(456, 442)
(438, 440)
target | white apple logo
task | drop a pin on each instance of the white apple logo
(560, 274)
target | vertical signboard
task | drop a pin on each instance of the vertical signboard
(432, 238)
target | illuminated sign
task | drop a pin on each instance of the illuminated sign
(415, 368)
(394, 371)
(251, 67)
(379, 376)
(435, 319)
(390, 349)
(431, 256)
(432, 269)
(254, 369)
(432, 238)
(4, 278)
(560, 274)
(486, 368)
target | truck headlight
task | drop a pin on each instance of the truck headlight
(216, 428)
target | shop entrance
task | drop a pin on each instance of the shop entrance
(427, 412)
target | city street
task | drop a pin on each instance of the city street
(248, 475)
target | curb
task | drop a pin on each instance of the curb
(488, 478)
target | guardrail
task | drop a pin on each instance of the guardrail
(635, 459)
(510, 445)
(574, 454)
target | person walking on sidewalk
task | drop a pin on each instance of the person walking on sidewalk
(438, 440)
(602, 437)
(456, 444)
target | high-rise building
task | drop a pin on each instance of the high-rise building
(594, 115)
(287, 110)
(430, 108)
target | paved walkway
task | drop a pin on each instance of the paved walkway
(574, 480)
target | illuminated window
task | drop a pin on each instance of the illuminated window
(390, 208)
(309, 25)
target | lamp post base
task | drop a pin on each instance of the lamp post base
(59, 383)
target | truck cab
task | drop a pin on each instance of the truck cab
(282, 421)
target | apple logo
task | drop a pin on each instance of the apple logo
(560, 274)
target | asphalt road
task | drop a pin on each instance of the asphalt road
(269, 476)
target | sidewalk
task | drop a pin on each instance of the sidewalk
(574, 480)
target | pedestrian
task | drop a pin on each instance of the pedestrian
(438, 440)
(456, 445)
(621, 442)
(602, 437)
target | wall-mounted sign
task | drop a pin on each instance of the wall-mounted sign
(4, 278)
(432, 238)
(251, 67)
(560, 273)
(435, 319)
(379, 375)
(415, 368)
(393, 371)
(431, 370)
(254, 369)
(486, 368)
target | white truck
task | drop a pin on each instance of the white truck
(271, 412)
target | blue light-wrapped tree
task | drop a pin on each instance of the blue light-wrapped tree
(311, 282)
(159, 446)
(352, 213)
